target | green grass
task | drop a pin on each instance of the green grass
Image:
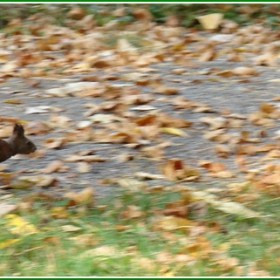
(186, 13)
(53, 252)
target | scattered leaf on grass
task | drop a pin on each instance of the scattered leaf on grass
(83, 197)
(132, 184)
(171, 223)
(131, 212)
(106, 251)
(174, 169)
(18, 225)
(70, 228)
(7, 243)
(225, 206)
(84, 240)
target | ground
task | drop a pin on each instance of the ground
(238, 95)
(157, 146)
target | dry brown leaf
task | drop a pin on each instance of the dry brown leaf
(178, 71)
(169, 121)
(171, 223)
(163, 89)
(245, 71)
(156, 152)
(222, 151)
(76, 13)
(124, 157)
(83, 167)
(86, 158)
(222, 174)
(213, 135)
(40, 181)
(148, 176)
(267, 108)
(142, 14)
(131, 212)
(174, 169)
(212, 166)
(208, 55)
(55, 143)
(177, 208)
(132, 184)
(84, 240)
(83, 197)
(37, 128)
(54, 166)
(215, 122)
(146, 120)
(59, 121)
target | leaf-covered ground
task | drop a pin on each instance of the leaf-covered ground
(190, 115)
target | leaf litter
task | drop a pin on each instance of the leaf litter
(186, 111)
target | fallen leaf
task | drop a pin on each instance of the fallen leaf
(83, 167)
(86, 158)
(70, 228)
(131, 212)
(6, 208)
(83, 197)
(224, 205)
(210, 21)
(132, 184)
(54, 166)
(173, 131)
(18, 225)
(100, 251)
(8, 242)
(171, 223)
(245, 71)
(41, 181)
(12, 101)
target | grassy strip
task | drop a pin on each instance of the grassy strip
(243, 14)
(128, 236)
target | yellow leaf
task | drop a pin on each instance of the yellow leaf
(12, 101)
(19, 225)
(8, 242)
(173, 131)
(59, 212)
(172, 223)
